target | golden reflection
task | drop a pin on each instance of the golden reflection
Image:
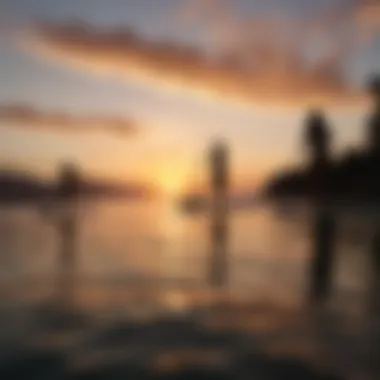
(175, 300)
(176, 360)
(171, 231)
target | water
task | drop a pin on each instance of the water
(269, 248)
(141, 260)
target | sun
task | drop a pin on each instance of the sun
(172, 173)
(172, 182)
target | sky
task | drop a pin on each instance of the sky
(137, 90)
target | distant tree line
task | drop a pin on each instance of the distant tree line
(353, 176)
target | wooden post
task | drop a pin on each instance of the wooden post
(67, 227)
(323, 231)
(219, 214)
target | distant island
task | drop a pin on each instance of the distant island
(19, 186)
(354, 176)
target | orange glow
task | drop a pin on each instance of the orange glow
(180, 68)
(172, 181)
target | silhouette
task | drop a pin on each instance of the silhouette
(324, 231)
(219, 213)
(69, 182)
(318, 139)
(17, 186)
(68, 192)
(318, 143)
(354, 176)
(67, 230)
(374, 121)
(323, 235)
(25, 187)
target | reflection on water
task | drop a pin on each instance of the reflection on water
(269, 254)
(143, 261)
(323, 253)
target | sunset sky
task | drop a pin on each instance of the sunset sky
(137, 89)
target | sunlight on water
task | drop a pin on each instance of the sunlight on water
(268, 250)
(140, 260)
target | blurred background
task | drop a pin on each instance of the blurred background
(189, 189)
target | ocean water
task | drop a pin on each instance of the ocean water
(269, 247)
(140, 260)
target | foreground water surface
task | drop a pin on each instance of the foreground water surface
(146, 262)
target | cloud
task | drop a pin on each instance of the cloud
(259, 59)
(30, 118)
(284, 42)
(366, 14)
